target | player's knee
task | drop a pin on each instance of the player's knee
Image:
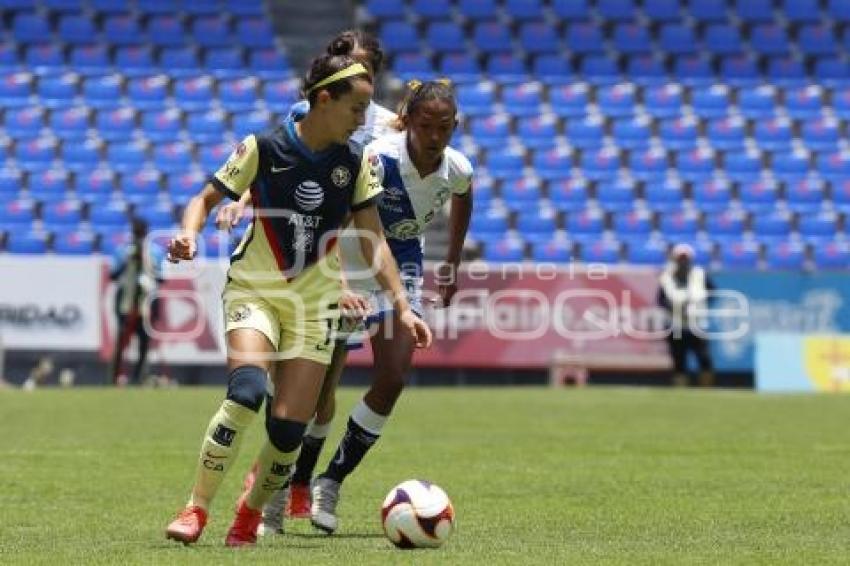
(247, 386)
(284, 434)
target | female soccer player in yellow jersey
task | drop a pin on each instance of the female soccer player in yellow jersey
(283, 286)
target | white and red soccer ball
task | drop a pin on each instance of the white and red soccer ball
(417, 514)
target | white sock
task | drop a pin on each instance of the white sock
(317, 430)
(367, 419)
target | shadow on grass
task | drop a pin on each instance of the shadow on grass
(335, 536)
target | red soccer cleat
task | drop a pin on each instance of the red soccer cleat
(298, 503)
(188, 525)
(243, 531)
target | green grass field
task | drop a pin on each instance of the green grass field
(537, 476)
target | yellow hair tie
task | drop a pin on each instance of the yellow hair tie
(350, 71)
(414, 85)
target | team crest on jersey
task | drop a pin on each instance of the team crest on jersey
(341, 176)
(240, 313)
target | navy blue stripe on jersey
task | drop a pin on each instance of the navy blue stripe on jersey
(222, 188)
(395, 208)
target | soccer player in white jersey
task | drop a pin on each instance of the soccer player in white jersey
(283, 286)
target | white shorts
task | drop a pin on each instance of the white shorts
(380, 307)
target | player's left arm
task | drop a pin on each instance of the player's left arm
(460, 213)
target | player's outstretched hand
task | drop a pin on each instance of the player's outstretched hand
(353, 306)
(229, 215)
(418, 329)
(182, 246)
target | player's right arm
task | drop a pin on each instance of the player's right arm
(232, 180)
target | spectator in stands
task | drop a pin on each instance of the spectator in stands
(684, 293)
(136, 268)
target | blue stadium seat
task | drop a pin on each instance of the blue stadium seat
(523, 100)
(774, 134)
(283, 92)
(711, 102)
(30, 27)
(76, 242)
(116, 125)
(568, 194)
(490, 131)
(785, 255)
(632, 225)
(555, 250)
(693, 70)
(616, 10)
(539, 37)
(172, 157)
(108, 6)
(9, 59)
(816, 40)
(127, 157)
(432, 9)
(35, 153)
(632, 38)
(166, 31)
(616, 195)
(571, 101)
(103, 91)
(244, 123)
(179, 61)
(833, 255)
(445, 37)
(75, 29)
(791, 166)
(477, 9)
(646, 70)
(739, 70)
(586, 224)
(709, 10)
(757, 102)
(159, 215)
(832, 72)
(505, 250)
(600, 70)
(583, 38)
(726, 134)
(755, 10)
(212, 156)
(834, 167)
(493, 221)
(522, 10)
(804, 103)
(30, 242)
(71, 123)
(649, 252)
(768, 39)
(632, 133)
(412, 66)
(739, 254)
(399, 37)
(385, 9)
(194, 93)
(49, 186)
(600, 165)
(44, 58)
(506, 68)
(225, 62)
(505, 164)
(255, 33)
(476, 99)
(801, 11)
(821, 135)
(664, 196)
(805, 196)
(11, 181)
(238, 95)
(59, 90)
(206, 126)
(664, 101)
(649, 166)
(19, 212)
(134, 60)
(59, 7)
(24, 122)
(571, 10)
(161, 125)
(141, 187)
(743, 167)
(662, 10)
(122, 29)
(604, 250)
(818, 228)
(460, 67)
(183, 186)
(840, 192)
(841, 103)
(62, 215)
(677, 39)
(838, 10)
(269, 64)
(112, 238)
(148, 92)
(696, 165)
(81, 157)
(94, 185)
(787, 71)
(536, 225)
(538, 132)
(758, 196)
(679, 225)
(680, 134)
(772, 226)
(723, 39)
(617, 101)
(587, 133)
(111, 215)
(212, 31)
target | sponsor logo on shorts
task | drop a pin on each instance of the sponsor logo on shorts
(224, 435)
(239, 313)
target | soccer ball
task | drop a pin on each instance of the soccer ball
(417, 514)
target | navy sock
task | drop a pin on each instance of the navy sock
(350, 451)
(311, 447)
